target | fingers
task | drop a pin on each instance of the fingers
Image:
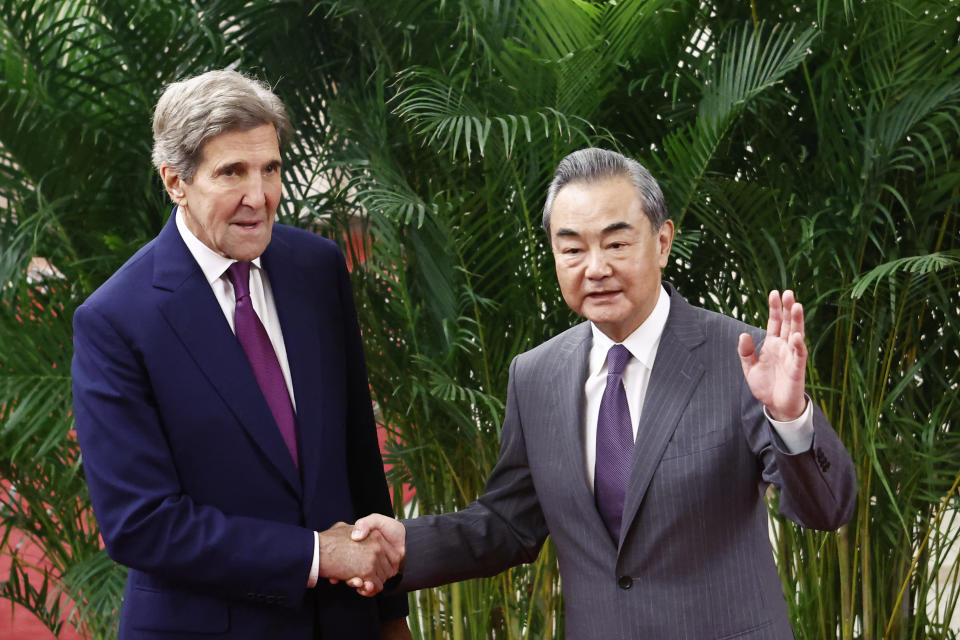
(786, 315)
(387, 560)
(381, 561)
(747, 351)
(361, 528)
(375, 565)
(786, 322)
(775, 318)
(746, 348)
(374, 521)
(372, 575)
(392, 531)
(369, 588)
(366, 588)
(364, 555)
(373, 560)
(796, 320)
(393, 555)
(791, 322)
(799, 348)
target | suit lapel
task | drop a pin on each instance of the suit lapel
(195, 316)
(292, 295)
(676, 374)
(572, 360)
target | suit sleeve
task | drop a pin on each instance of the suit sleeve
(368, 485)
(818, 487)
(503, 528)
(147, 521)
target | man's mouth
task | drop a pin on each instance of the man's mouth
(602, 295)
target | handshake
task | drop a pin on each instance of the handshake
(364, 555)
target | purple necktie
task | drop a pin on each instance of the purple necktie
(614, 443)
(255, 341)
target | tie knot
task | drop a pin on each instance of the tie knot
(617, 359)
(239, 274)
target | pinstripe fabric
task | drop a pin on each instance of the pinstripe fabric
(694, 559)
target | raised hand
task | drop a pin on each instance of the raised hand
(371, 560)
(392, 531)
(777, 377)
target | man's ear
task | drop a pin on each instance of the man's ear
(665, 240)
(173, 183)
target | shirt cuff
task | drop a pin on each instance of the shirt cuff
(315, 567)
(797, 435)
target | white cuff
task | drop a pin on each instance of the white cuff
(315, 567)
(797, 435)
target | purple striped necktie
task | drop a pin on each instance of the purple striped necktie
(614, 443)
(256, 343)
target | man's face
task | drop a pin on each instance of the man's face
(231, 203)
(607, 256)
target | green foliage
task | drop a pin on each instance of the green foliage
(78, 81)
(803, 146)
(810, 145)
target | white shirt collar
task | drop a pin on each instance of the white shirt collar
(211, 263)
(642, 343)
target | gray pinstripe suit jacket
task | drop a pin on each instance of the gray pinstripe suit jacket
(694, 559)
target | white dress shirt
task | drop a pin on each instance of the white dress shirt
(797, 435)
(214, 267)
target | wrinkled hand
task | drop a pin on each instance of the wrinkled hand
(392, 531)
(777, 377)
(369, 560)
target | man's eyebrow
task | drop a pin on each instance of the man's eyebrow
(235, 164)
(238, 164)
(610, 228)
(616, 226)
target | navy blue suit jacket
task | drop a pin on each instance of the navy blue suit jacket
(190, 480)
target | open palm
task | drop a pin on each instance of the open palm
(776, 376)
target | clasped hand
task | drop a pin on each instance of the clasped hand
(364, 555)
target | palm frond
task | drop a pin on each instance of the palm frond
(919, 265)
(449, 119)
(755, 60)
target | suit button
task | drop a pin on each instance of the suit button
(625, 582)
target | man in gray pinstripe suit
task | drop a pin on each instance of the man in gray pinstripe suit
(663, 532)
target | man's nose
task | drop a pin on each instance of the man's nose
(254, 193)
(597, 265)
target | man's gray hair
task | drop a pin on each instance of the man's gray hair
(592, 165)
(192, 111)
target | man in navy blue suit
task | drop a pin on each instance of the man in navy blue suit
(221, 399)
